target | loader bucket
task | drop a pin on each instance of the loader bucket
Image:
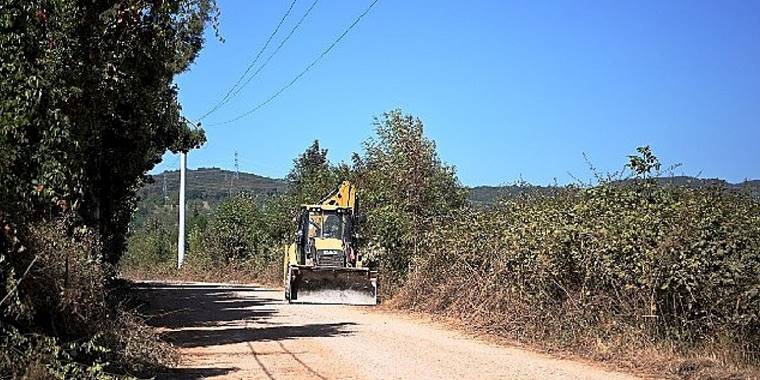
(347, 286)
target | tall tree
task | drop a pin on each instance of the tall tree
(312, 176)
(89, 104)
(403, 185)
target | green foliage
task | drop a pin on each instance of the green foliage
(312, 176)
(669, 264)
(235, 232)
(47, 358)
(403, 185)
(205, 187)
(154, 243)
(89, 105)
(60, 319)
(238, 233)
(644, 164)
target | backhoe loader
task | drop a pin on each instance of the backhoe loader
(323, 265)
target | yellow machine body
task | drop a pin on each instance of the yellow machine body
(323, 265)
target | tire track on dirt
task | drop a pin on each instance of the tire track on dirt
(311, 370)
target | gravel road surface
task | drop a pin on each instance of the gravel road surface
(227, 331)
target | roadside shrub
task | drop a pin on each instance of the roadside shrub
(609, 268)
(60, 318)
(235, 231)
(236, 241)
(154, 244)
(402, 185)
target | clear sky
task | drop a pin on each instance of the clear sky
(506, 89)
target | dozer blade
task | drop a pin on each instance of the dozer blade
(348, 286)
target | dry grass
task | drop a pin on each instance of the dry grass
(651, 280)
(629, 352)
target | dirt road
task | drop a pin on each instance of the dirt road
(246, 332)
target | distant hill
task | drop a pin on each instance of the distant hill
(487, 195)
(210, 185)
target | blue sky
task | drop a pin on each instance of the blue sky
(508, 90)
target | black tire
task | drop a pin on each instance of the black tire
(290, 290)
(293, 291)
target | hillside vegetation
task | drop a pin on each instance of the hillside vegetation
(210, 186)
(490, 195)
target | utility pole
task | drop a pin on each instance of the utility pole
(163, 190)
(181, 240)
(235, 176)
(237, 166)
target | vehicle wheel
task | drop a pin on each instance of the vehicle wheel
(292, 288)
(290, 291)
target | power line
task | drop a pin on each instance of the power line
(227, 96)
(302, 73)
(292, 31)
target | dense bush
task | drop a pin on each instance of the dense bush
(602, 268)
(65, 320)
(236, 231)
(88, 106)
(241, 234)
(154, 242)
(402, 185)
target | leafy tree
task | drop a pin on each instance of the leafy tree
(312, 176)
(277, 215)
(154, 244)
(88, 106)
(644, 164)
(236, 231)
(403, 185)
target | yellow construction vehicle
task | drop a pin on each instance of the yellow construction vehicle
(323, 265)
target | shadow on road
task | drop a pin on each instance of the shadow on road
(179, 306)
(204, 337)
(193, 373)
(205, 315)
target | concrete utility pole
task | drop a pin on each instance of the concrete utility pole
(237, 167)
(181, 240)
(163, 189)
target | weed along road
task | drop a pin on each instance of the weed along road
(229, 331)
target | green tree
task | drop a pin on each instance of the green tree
(312, 176)
(403, 185)
(89, 104)
(236, 231)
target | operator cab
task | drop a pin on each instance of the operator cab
(328, 242)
